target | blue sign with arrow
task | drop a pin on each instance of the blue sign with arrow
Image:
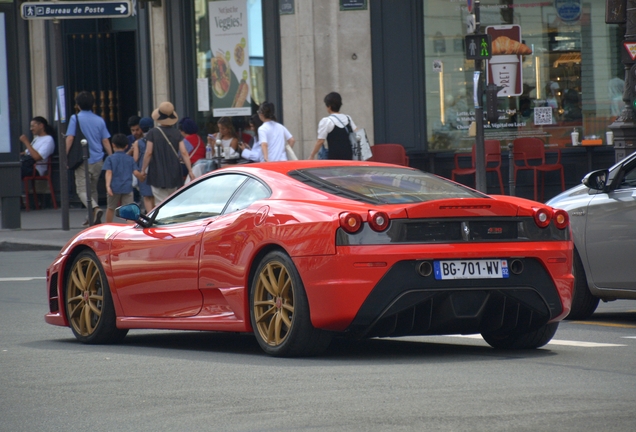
(70, 10)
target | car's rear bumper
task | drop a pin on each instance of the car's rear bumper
(378, 290)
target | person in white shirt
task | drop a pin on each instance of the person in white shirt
(333, 130)
(273, 135)
(40, 149)
(253, 153)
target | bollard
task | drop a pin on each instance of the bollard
(89, 201)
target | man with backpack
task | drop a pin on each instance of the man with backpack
(337, 129)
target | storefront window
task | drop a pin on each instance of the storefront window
(222, 74)
(560, 71)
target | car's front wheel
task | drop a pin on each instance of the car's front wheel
(89, 306)
(583, 302)
(518, 340)
(280, 310)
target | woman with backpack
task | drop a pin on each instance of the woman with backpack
(335, 129)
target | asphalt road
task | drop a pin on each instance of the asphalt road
(585, 380)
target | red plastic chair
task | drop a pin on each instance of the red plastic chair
(492, 151)
(529, 154)
(389, 153)
(30, 182)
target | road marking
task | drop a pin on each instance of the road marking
(629, 337)
(22, 279)
(558, 342)
(602, 324)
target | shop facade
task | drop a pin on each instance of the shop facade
(569, 77)
(399, 66)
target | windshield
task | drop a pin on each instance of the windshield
(383, 185)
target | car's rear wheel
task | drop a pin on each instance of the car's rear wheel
(583, 302)
(517, 340)
(89, 306)
(280, 310)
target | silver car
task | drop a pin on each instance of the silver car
(603, 219)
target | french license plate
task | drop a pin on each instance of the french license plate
(471, 269)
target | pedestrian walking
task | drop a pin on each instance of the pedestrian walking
(273, 135)
(38, 151)
(139, 151)
(94, 129)
(333, 130)
(119, 168)
(164, 144)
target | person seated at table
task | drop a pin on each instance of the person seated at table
(228, 136)
(253, 151)
(39, 150)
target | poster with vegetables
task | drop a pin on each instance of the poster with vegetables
(229, 62)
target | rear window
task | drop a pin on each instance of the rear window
(380, 185)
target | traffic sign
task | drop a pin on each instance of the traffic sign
(70, 10)
(478, 47)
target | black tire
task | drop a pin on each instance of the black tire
(280, 310)
(89, 306)
(583, 302)
(529, 340)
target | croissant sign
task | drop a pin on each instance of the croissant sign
(504, 68)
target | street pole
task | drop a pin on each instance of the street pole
(89, 201)
(57, 79)
(480, 158)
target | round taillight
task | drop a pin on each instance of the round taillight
(350, 222)
(378, 221)
(542, 217)
(561, 218)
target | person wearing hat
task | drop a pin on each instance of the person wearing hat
(164, 144)
(139, 151)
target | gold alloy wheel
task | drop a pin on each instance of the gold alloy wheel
(85, 296)
(274, 303)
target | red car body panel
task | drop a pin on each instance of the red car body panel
(195, 275)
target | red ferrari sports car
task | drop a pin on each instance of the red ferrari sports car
(297, 252)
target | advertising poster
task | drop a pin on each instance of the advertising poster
(229, 63)
(504, 68)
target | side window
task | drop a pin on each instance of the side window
(629, 178)
(205, 199)
(252, 190)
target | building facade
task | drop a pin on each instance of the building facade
(399, 65)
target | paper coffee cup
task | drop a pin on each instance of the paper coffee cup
(575, 138)
(609, 136)
(504, 73)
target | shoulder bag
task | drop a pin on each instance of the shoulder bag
(75, 156)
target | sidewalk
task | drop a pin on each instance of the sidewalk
(42, 229)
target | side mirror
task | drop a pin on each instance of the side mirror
(596, 180)
(132, 212)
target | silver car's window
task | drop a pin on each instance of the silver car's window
(629, 178)
(205, 199)
(251, 191)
